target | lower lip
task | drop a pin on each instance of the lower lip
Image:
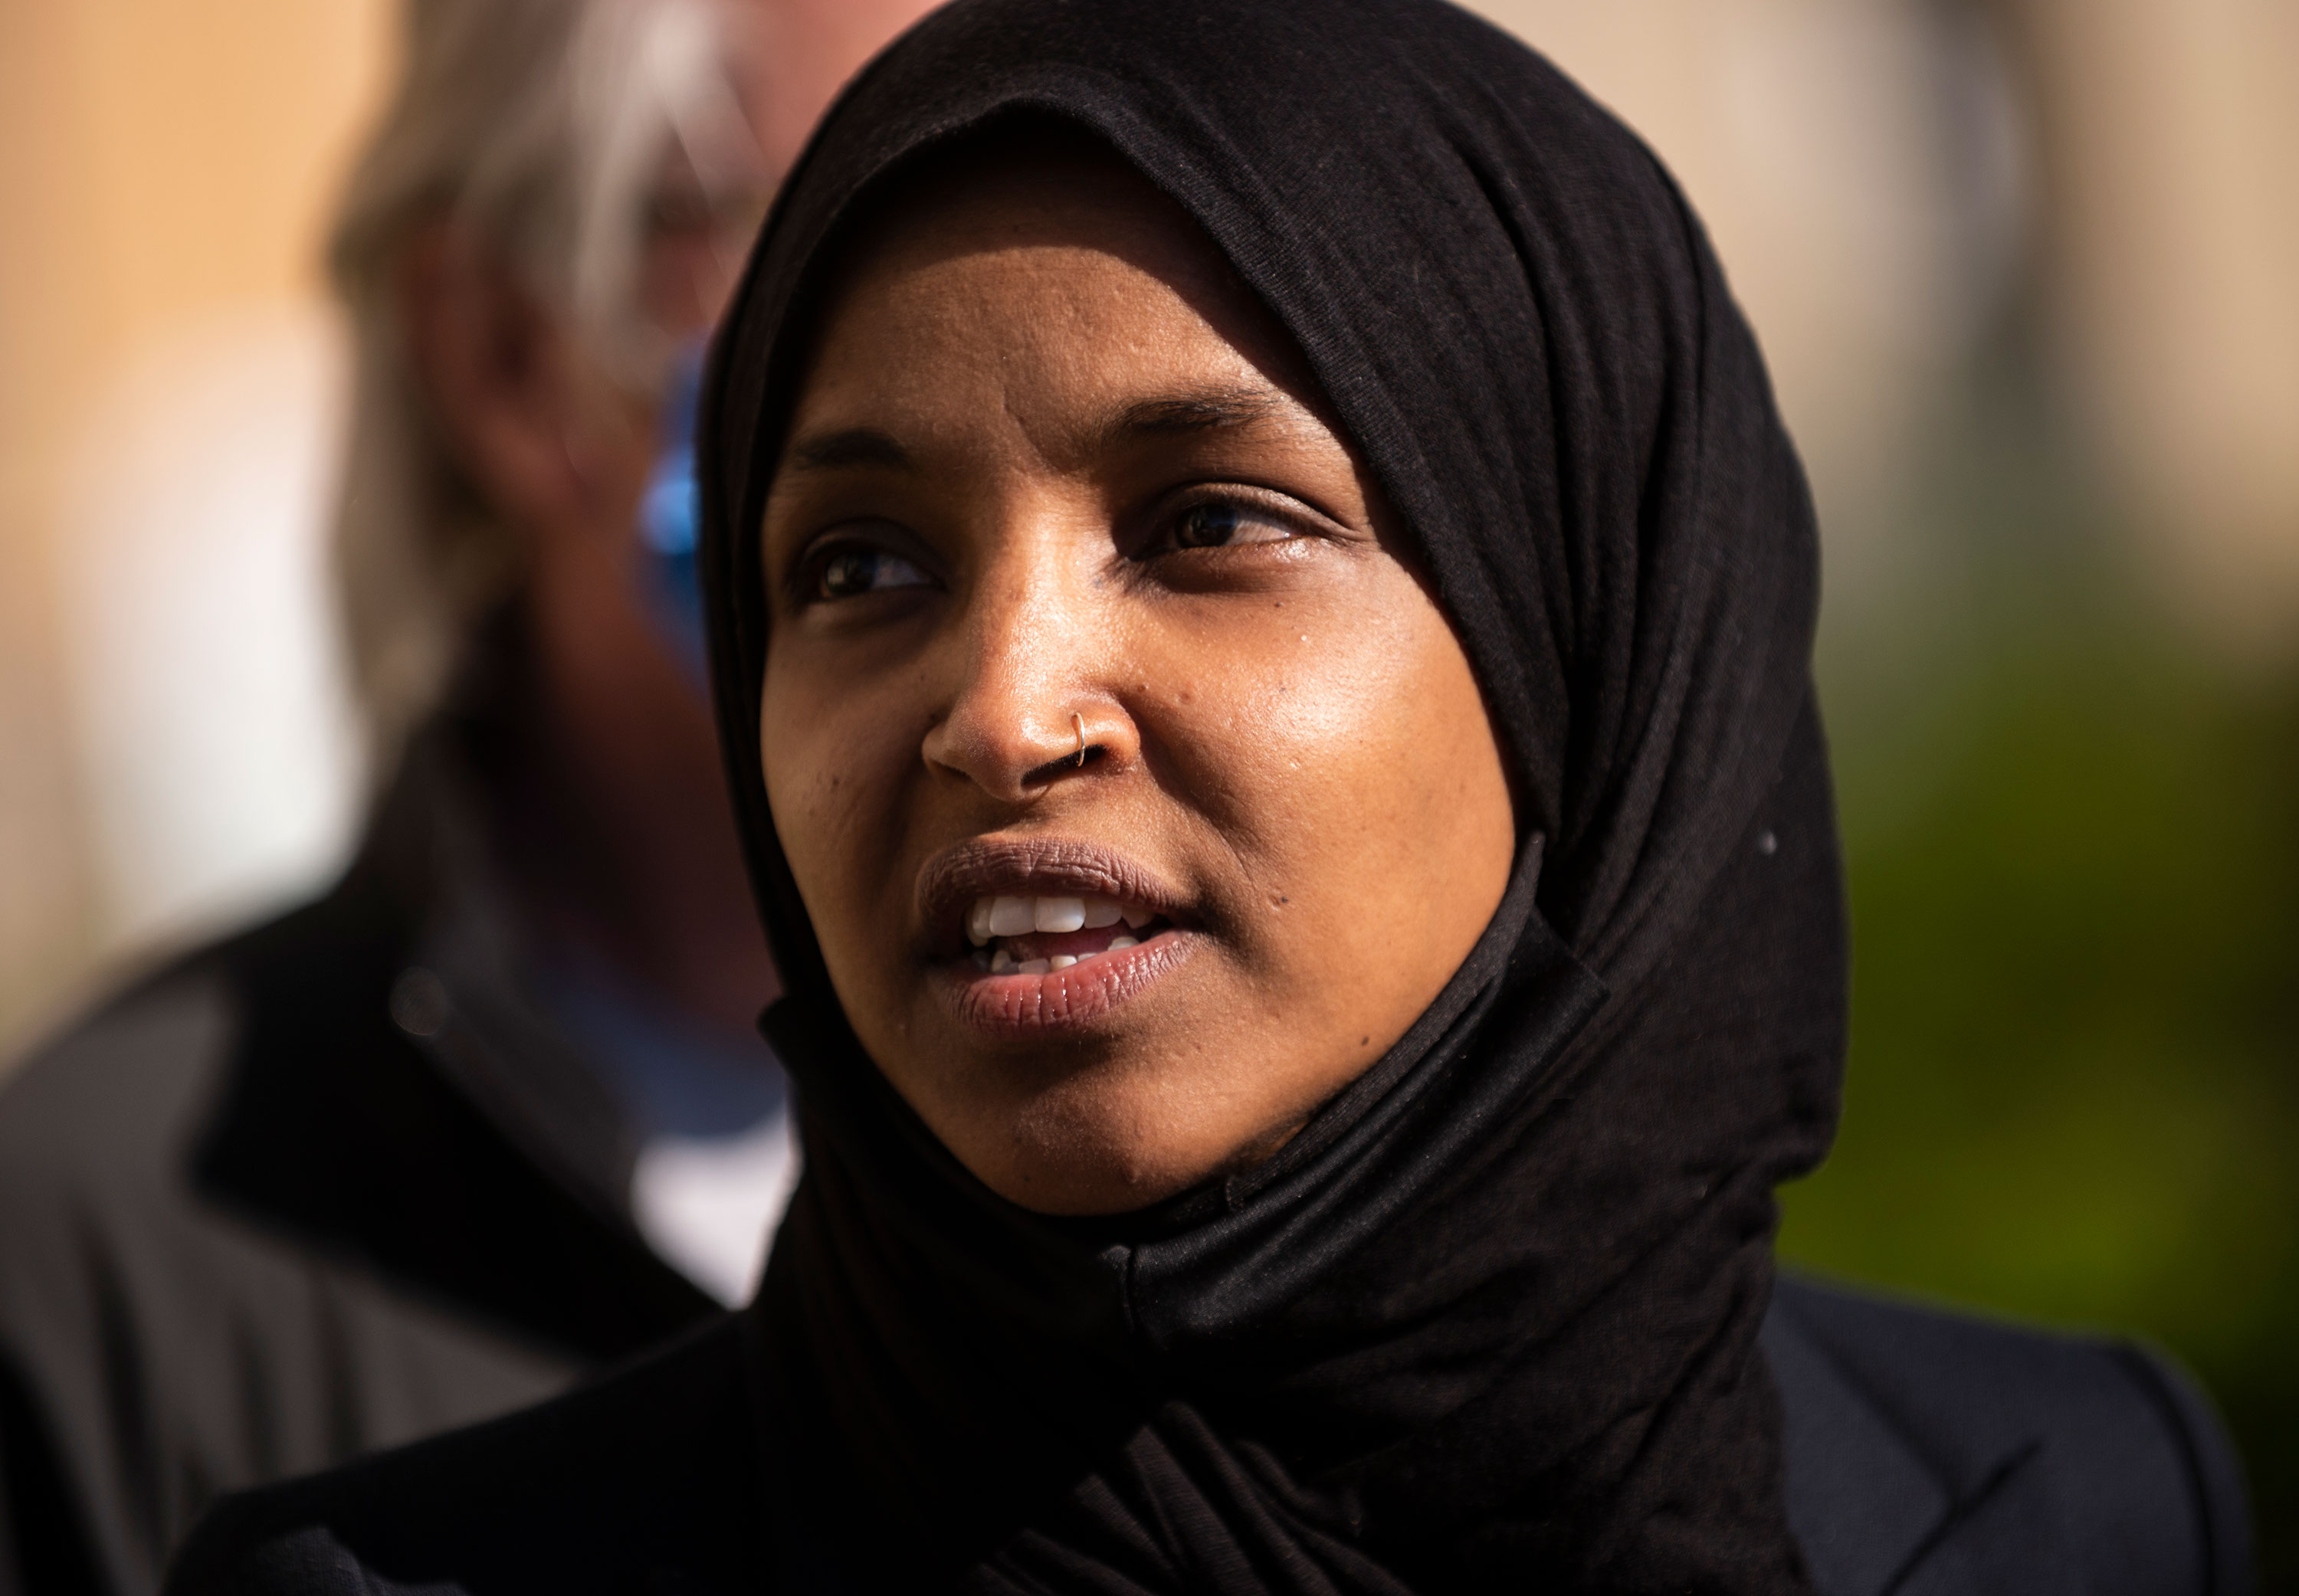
(1060, 1000)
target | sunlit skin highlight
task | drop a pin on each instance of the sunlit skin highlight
(1052, 470)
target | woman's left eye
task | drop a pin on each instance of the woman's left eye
(850, 572)
(1219, 523)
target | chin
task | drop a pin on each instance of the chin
(1086, 1147)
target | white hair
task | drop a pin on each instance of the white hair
(543, 127)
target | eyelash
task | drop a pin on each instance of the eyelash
(815, 572)
(1244, 506)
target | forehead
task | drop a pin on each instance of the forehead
(1008, 190)
(1029, 244)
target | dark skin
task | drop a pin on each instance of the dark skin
(1079, 594)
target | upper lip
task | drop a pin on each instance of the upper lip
(950, 881)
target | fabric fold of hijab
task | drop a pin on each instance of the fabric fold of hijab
(1489, 1320)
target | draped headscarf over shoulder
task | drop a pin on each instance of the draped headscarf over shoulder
(1489, 1320)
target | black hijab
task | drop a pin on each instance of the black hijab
(1491, 1320)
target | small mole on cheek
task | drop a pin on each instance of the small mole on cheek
(1364, 1041)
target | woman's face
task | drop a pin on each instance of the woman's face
(1053, 484)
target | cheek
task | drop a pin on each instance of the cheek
(1335, 744)
(835, 757)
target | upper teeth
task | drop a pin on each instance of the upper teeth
(1017, 916)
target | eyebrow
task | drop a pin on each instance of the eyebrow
(853, 446)
(1168, 416)
(1182, 414)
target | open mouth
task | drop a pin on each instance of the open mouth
(1040, 935)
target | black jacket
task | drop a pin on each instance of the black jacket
(1927, 1455)
(325, 1186)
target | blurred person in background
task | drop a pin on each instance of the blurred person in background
(494, 1112)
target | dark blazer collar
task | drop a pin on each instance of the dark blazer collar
(394, 1098)
(1895, 1482)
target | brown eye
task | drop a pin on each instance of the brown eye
(850, 572)
(1218, 522)
(1207, 525)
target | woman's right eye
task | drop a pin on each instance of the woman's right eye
(855, 570)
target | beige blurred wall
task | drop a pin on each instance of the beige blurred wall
(2169, 145)
(163, 167)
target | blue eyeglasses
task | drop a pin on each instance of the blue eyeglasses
(670, 518)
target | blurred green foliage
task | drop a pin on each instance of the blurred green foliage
(2073, 845)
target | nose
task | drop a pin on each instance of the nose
(1033, 706)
